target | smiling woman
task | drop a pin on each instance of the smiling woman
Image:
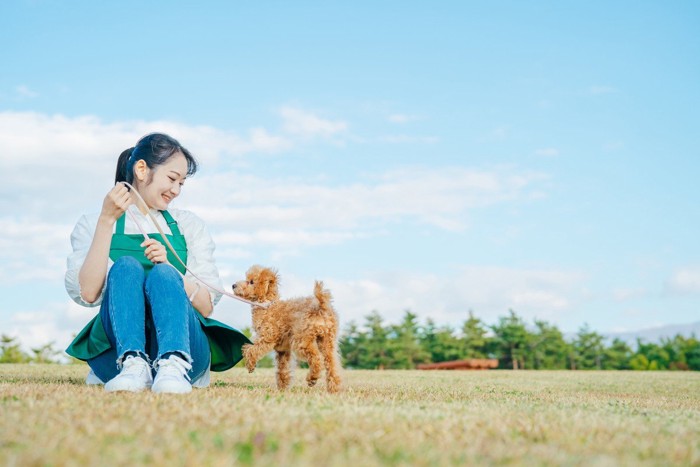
(149, 312)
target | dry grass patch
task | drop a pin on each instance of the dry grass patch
(49, 417)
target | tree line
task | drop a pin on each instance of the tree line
(11, 352)
(512, 341)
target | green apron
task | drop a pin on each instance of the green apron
(130, 245)
(225, 342)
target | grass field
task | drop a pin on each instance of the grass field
(49, 417)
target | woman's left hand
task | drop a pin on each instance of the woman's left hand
(155, 251)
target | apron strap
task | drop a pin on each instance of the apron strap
(172, 223)
(120, 225)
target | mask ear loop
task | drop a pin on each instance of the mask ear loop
(172, 250)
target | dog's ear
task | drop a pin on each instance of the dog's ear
(269, 282)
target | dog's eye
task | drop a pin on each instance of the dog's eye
(251, 282)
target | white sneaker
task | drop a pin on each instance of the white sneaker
(135, 376)
(172, 376)
(92, 379)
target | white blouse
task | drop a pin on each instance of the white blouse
(200, 248)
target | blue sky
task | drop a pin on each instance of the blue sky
(437, 157)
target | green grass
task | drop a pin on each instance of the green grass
(49, 417)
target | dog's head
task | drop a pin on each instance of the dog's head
(260, 285)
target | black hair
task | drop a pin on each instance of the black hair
(155, 149)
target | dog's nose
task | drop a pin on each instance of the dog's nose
(233, 286)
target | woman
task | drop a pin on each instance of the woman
(152, 321)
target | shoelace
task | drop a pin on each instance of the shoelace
(133, 366)
(174, 366)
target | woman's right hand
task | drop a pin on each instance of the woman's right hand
(116, 203)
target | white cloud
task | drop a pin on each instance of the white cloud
(402, 118)
(58, 167)
(302, 123)
(547, 152)
(55, 141)
(499, 133)
(32, 250)
(684, 281)
(404, 139)
(446, 298)
(431, 196)
(55, 322)
(23, 92)
(626, 294)
(277, 212)
(613, 145)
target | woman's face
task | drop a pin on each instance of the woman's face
(166, 181)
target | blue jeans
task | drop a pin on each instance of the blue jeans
(150, 316)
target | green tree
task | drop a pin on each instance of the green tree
(45, 353)
(404, 345)
(588, 349)
(692, 353)
(658, 357)
(375, 352)
(682, 351)
(641, 363)
(511, 340)
(617, 356)
(350, 344)
(440, 343)
(548, 349)
(474, 340)
(11, 350)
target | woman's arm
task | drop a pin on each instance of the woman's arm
(201, 300)
(94, 269)
(200, 259)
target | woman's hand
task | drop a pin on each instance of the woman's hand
(155, 251)
(116, 203)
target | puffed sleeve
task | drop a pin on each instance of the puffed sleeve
(200, 252)
(80, 240)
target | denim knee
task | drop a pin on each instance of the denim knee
(127, 267)
(163, 273)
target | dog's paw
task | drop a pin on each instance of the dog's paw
(247, 351)
(250, 366)
(333, 386)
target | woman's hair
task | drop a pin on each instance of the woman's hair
(155, 149)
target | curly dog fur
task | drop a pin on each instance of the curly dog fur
(306, 326)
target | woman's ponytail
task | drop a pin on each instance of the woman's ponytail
(122, 163)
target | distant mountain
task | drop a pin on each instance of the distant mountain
(658, 333)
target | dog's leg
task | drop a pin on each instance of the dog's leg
(331, 361)
(284, 376)
(308, 350)
(252, 353)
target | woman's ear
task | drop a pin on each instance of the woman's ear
(141, 170)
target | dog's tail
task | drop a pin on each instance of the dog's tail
(324, 298)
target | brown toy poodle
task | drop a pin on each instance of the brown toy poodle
(307, 326)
